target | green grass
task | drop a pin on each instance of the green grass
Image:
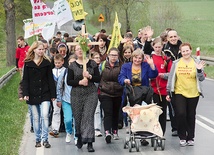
(197, 24)
(209, 70)
(12, 117)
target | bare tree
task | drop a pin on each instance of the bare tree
(10, 31)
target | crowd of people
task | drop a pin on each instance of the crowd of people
(60, 93)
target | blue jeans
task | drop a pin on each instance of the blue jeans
(40, 120)
(68, 117)
(31, 115)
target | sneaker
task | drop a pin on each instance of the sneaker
(190, 143)
(175, 133)
(54, 133)
(75, 140)
(115, 136)
(108, 138)
(183, 143)
(68, 138)
(46, 144)
(38, 144)
(98, 133)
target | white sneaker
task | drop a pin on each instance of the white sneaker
(98, 133)
(190, 143)
(75, 140)
(68, 138)
(115, 137)
(183, 143)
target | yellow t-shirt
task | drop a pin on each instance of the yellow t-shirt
(186, 83)
(136, 77)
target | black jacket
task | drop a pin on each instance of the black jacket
(109, 84)
(38, 82)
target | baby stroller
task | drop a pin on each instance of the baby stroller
(143, 120)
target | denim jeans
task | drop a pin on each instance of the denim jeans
(40, 120)
(97, 117)
(68, 117)
(56, 119)
(30, 115)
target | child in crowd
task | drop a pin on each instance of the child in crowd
(58, 62)
(63, 99)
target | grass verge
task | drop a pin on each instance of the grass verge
(12, 117)
(209, 70)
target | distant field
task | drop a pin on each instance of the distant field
(197, 24)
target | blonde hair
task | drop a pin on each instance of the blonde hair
(30, 54)
(138, 52)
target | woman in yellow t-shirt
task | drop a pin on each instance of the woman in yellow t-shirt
(184, 81)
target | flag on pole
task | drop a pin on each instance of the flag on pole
(116, 35)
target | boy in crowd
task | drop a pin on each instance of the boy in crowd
(57, 70)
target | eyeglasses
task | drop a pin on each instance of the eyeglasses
(113, 55)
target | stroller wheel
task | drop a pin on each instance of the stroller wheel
(162, 144)
(155, 145)
(137, 146)
(152, 142)
(133, 143)
(159, 142)
(125, 144)
(130, 146)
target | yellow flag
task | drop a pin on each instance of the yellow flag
(77, 9)
(116, 35)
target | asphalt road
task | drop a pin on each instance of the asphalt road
(203, 139)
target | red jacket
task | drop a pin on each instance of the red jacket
(159, 84)
(21, 54)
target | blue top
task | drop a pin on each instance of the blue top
(63, 89)
(146, 73)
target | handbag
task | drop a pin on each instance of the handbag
(138, 94)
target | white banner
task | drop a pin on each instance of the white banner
(63, 12)
(48, 31)
(41, 12)
(32, 29)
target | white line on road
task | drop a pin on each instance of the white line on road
(206, 119)
(205, 126)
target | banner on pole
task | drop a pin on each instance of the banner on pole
(41, 12)
(63, 12)
(77, 9)
(116, 35)
(32, 29)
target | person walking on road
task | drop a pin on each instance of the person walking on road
(185, 82)
(21, 51)
(56, 118)
(110, 95)
(64, 101)
(138, 73)
(38, 90)
(84, 97)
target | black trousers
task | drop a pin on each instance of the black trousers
(110, 106)
(163, 104)
(185, 114)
